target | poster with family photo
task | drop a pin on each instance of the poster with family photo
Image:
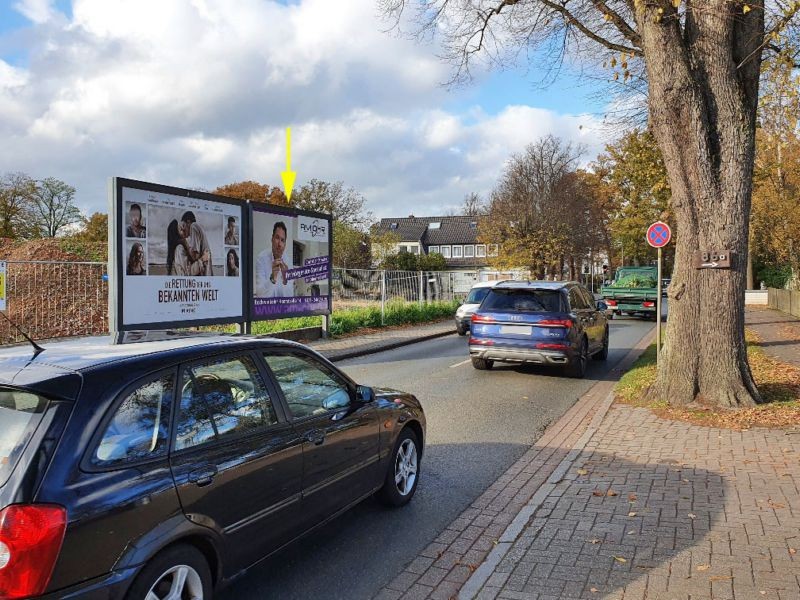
(291, 262)
(179, 256)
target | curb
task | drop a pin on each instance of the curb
(344, 355)
(476, 582)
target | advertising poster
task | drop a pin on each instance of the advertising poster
(291, 263)
(181, 256)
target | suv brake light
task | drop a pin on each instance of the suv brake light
(476, 318)
(648, 304)
(611, 302)
(555, 323)
(30, 540)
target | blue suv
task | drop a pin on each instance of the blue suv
(540, 322)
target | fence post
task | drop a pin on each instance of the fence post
(420, 288)
(383, 297)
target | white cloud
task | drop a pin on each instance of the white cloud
(198, 93)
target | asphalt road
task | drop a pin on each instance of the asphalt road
(479, 424)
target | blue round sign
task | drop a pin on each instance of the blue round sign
(658, 234)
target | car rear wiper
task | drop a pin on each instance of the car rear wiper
(37, 349)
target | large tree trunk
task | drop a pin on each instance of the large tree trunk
(702, 108)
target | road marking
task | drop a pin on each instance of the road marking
(463, 362)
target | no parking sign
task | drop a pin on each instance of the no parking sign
(658, 234)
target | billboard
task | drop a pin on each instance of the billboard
(176, 256)
(291, 267)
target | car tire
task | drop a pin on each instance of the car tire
(482, 364)
(577, 368)
(603, 354)
(402, 476)
(461, 330)
(180, 565)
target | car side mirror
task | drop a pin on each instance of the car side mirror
(602, 306)
(365, 394)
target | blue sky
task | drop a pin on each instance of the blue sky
(184, 93)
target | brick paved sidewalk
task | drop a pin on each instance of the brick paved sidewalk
(359, 345)
(616, 503)
(779, 333)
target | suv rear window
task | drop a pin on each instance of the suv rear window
(20, 414)
(503, 300)
(476, 295)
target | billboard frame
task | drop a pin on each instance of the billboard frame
(116, 254)
(289, 212)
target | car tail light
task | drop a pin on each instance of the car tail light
(544, 346)
(611, 302)
(478, 342)
(476, 318)
(30, 540)
(648, 304)
(556, 323)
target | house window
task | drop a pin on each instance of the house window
(434, 225)
(469, 251)
(413, 249)
(480, 250)
(492, 249)
(433, 249)
(473, 225)
(392, 225)
(456, 251)
(446, 251)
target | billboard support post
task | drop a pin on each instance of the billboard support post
(326, 326)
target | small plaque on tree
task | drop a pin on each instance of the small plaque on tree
(713, 259)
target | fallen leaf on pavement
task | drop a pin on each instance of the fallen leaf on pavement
(632, 498)
(792, 551)
(594, 541)
(692, 516)
(620, 559)
(582, 472)
(775, 504)
(593, 590)
(631, 514)
(598, 493)
(703, 567)
(720, 578)
(611, 493)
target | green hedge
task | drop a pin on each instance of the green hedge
(348, 321)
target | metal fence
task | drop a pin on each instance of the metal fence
(55, 299)
(61, 299)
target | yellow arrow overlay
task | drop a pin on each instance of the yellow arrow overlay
(288, 175)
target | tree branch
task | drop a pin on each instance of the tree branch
(571, 20)
(620, 23)
(779, 26)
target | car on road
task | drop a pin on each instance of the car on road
(540, 322)
(476, 295)
(163, 469)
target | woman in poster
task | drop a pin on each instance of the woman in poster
(136, 261)
(233, 263)
(199, 248)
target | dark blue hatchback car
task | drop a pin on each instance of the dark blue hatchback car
(163, 469)
(540, 322)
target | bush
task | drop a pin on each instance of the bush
(774, 277)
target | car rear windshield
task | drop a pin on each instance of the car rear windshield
(501, 300)
(20, 413)
(477, 295)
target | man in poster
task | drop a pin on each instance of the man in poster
(271, 267)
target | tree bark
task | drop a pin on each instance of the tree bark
(702, 108)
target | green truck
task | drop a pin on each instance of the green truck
(633, 291)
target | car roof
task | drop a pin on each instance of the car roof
(79, 354)
(483, 284)
(536, 285)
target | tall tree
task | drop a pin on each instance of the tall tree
(53, 207)
(633, 172)
(473, 205)
(350, 247)
(17, 192)
(345, 204)
(252, 190)
(702, 62)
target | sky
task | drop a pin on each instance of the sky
(199, 93)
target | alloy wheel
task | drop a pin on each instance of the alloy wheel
(181, 582)
(405, 467)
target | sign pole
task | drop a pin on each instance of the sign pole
(658, 309)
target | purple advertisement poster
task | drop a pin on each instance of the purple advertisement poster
(291, 264)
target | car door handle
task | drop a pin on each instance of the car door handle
(315, 436)
(203, 476)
